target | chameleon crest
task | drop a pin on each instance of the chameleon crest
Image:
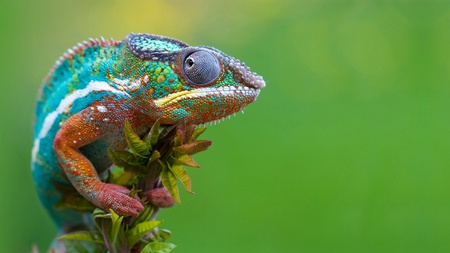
(98, 85)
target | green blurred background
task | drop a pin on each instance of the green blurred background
(346, 149)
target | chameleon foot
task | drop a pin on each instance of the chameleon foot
(117, 198)
(160, 197)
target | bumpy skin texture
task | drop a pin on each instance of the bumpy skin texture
(97, 85)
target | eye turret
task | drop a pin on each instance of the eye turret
(201, 67)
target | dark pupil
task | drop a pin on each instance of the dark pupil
(201, 68)
(190, 62)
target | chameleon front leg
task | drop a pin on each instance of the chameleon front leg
(79, 130)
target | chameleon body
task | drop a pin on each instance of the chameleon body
(97, 85)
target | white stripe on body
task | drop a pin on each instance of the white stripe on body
(64, 104)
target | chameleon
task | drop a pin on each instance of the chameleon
(99, 84)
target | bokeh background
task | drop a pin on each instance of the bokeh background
(346, 150)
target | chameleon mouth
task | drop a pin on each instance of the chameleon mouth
(204, 92)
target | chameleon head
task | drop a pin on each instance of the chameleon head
(197, 84)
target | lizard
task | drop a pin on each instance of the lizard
(99, 84)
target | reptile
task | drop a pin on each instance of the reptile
(99, 84)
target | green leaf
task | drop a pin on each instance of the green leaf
(198, 132)
(170, 182)
(116, 226)
(125, 159)
(164, 234)
(87, 236)
(193, 148)
(158, 247)
(137, 232)
(122, 158)
(153, 135)
(144, 215)
(182, 175)
(133, 191)
(128, 161)
(186, 160)
(155, 155)
(138, 146)
(99, 216)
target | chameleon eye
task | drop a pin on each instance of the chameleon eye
(201, 67)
